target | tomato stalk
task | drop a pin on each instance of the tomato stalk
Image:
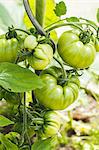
(62, 66)
(37, 120)
(64, 24)
(25, 122)
(76, 24)
(33, 98)
(88, 22)
(22, 31)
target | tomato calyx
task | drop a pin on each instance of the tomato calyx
(11, 33)
(70, 74)
(85, 36)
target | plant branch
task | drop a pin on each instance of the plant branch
(22, 31)
(63, 24)
(33, 98)
(76, 24)
(62, 66)
(24, 114)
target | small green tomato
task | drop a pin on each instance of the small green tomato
(30, 42)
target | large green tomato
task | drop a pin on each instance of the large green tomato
(74, 52)
(51, 124)
(56, 96)
(41, 57)
(8, 50)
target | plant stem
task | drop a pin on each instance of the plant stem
(24, 114)
(32, 18)
(25, 122)
(63, 24)
(40, 11)
(54, 23)
(74, 23)
(62, 66)
(33, 98)
(35, 120)
(22, 31)
(89, 21)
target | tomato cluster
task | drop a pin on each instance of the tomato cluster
(75, 48)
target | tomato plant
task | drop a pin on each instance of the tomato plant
(39, 74)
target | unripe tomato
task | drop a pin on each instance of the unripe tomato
(30, 42)
(56, 96)
(41, 56)
(51, 124)
(8, 50)
(74, 52)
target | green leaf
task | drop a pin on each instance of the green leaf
(98, 15)
(72, 19)
(17, 79)
(50, 16)
(47, 144)
(7, 143)
(5, 121)
(60, 9)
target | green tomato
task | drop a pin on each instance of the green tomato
(41, 56)
(56, 96)
(51, 124)
(8, 50)
(30, 42)
(97, 45)
(74, 52)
